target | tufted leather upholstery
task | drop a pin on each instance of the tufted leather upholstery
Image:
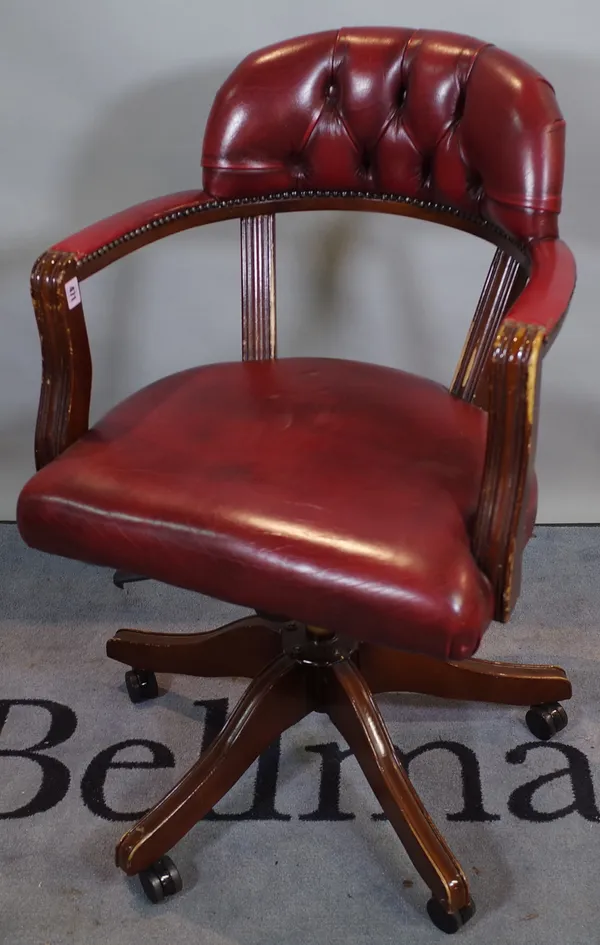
(424, 114)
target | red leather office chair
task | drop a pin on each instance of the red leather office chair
(375, 521)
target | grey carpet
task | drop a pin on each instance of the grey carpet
(534, 869)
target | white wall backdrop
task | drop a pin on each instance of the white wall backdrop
(104, 104)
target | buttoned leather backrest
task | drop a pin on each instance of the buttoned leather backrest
(427, 115)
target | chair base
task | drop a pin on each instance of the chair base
(296, 670)
(121, 578)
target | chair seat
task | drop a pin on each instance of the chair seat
(337, 493)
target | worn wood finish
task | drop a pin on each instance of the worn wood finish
(259, 326)
(242, 648)
(496, 296)
(389, 670)
(500, 525)
(64, 405)
(274, 701)
(351, 708)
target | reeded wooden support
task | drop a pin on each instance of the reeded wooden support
(355, 714)
(465, 364)
(242, 648)
(63, 413)
(500, 526)
(273, 702)
(389, 670)
(258, 287)
(504, 279)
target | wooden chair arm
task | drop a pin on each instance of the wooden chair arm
(513, 376)
(98, 245)
(63, 414)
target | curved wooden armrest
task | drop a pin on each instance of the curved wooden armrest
(514, 376)
(63, 414)
(98, 245)
(509, 390)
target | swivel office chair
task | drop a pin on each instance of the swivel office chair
(374, 521)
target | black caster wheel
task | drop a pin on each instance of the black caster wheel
(141, 685)
(546, 720)
(160, 880)
(449, 922)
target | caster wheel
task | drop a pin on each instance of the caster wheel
(546, 720)
(162, 879)
(141, 685)
(449, 922)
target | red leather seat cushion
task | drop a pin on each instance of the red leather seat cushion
(338, 493)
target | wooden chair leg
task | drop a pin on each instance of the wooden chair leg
(389, 670)
(242, 648)
(353, 711)
(274, 701)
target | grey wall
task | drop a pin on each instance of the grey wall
(104, 104)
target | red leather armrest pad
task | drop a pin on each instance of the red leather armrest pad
(93, 237)
(545, 299)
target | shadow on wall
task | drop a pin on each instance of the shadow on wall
(148, 143)
(577, 86)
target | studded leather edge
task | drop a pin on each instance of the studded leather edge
(295, 195)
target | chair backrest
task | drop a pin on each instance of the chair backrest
(428, 115)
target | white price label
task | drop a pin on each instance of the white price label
(72, 292)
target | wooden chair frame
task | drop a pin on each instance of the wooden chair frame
(499, 370)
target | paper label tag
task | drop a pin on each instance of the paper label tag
(72, 292)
